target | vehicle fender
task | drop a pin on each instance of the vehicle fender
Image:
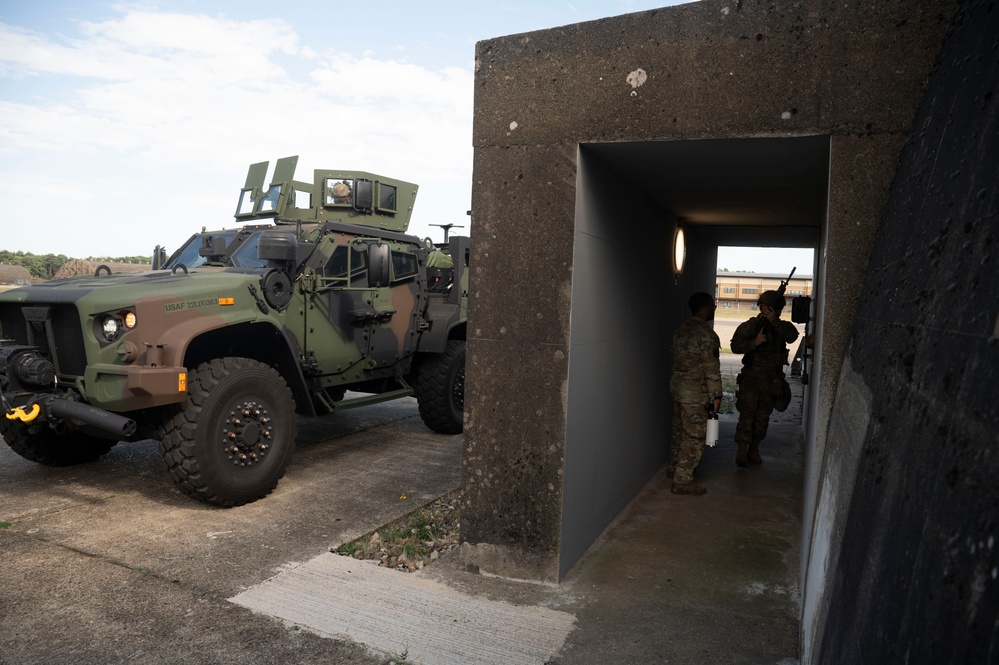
(446, 322)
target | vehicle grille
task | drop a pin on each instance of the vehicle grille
(66, 331)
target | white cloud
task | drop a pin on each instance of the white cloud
(165, 111)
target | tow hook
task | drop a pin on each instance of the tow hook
(18, 413)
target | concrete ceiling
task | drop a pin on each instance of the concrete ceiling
(762, 182)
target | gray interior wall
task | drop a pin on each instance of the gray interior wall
(699, 271)
(617, 410)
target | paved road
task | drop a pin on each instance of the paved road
(109, 563)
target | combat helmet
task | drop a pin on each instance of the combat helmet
(771, 299)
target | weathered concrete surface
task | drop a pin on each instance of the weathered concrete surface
(400, 613)
(710, 580)
(109, 563)
(106, 563)
(715, 69)
(906, 547)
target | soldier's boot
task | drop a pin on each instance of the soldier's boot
(740, 454)
(753, 454)
(689, 488)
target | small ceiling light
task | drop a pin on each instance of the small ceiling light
(679, 250)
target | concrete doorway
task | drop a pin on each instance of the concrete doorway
(627, 299)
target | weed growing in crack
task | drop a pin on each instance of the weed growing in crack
(414, 540)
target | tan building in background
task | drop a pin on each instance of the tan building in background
(739, 291)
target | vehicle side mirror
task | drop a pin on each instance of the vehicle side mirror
(159, 257)
(278, 249)
(364, 195)
(212, 246)
(379, 264)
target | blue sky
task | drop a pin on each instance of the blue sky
(124, 125)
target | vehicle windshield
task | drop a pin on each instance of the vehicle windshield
(188, 253)
(241, 249)
(245, 256)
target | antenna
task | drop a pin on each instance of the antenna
(447, 228)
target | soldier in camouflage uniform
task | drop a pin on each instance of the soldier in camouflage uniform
(695, 382)
(763, 339)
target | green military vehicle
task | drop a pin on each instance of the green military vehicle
(318, 291)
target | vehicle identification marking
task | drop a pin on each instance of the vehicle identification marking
(198, 304)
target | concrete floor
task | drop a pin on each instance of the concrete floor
(688, 580)
(704, 580)
(113, 565)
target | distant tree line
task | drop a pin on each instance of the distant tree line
(45, 266)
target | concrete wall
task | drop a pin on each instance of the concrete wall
(714, 69)
(905, 566)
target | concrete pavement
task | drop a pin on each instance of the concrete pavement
(108, 563)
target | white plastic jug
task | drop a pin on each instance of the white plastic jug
(711, 440)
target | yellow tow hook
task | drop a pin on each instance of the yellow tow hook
(17, 413)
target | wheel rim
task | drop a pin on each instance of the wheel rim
(247, 434)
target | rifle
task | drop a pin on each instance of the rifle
(763, 323)
(783, 282)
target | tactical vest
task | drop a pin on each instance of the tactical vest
(772, 354)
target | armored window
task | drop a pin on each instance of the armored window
(386, 197)
(270, 201)
(303, 198)
(338, 192)
(338, 267)
(403, 265)
(245, 205)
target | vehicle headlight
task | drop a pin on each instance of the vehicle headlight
(110, 328)
(112, 325)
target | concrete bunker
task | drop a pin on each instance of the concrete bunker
(904, 95)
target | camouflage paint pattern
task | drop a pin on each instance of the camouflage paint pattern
(333, 331)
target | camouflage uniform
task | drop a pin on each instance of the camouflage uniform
(696, 380)
(760, 381)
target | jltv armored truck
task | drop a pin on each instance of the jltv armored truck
(315, 302)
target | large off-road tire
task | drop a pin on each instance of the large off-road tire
(440, 389)
(233, 438)
(40, 443)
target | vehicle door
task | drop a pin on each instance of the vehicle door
(361, 325)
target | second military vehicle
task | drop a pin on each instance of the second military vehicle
(318, 291)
